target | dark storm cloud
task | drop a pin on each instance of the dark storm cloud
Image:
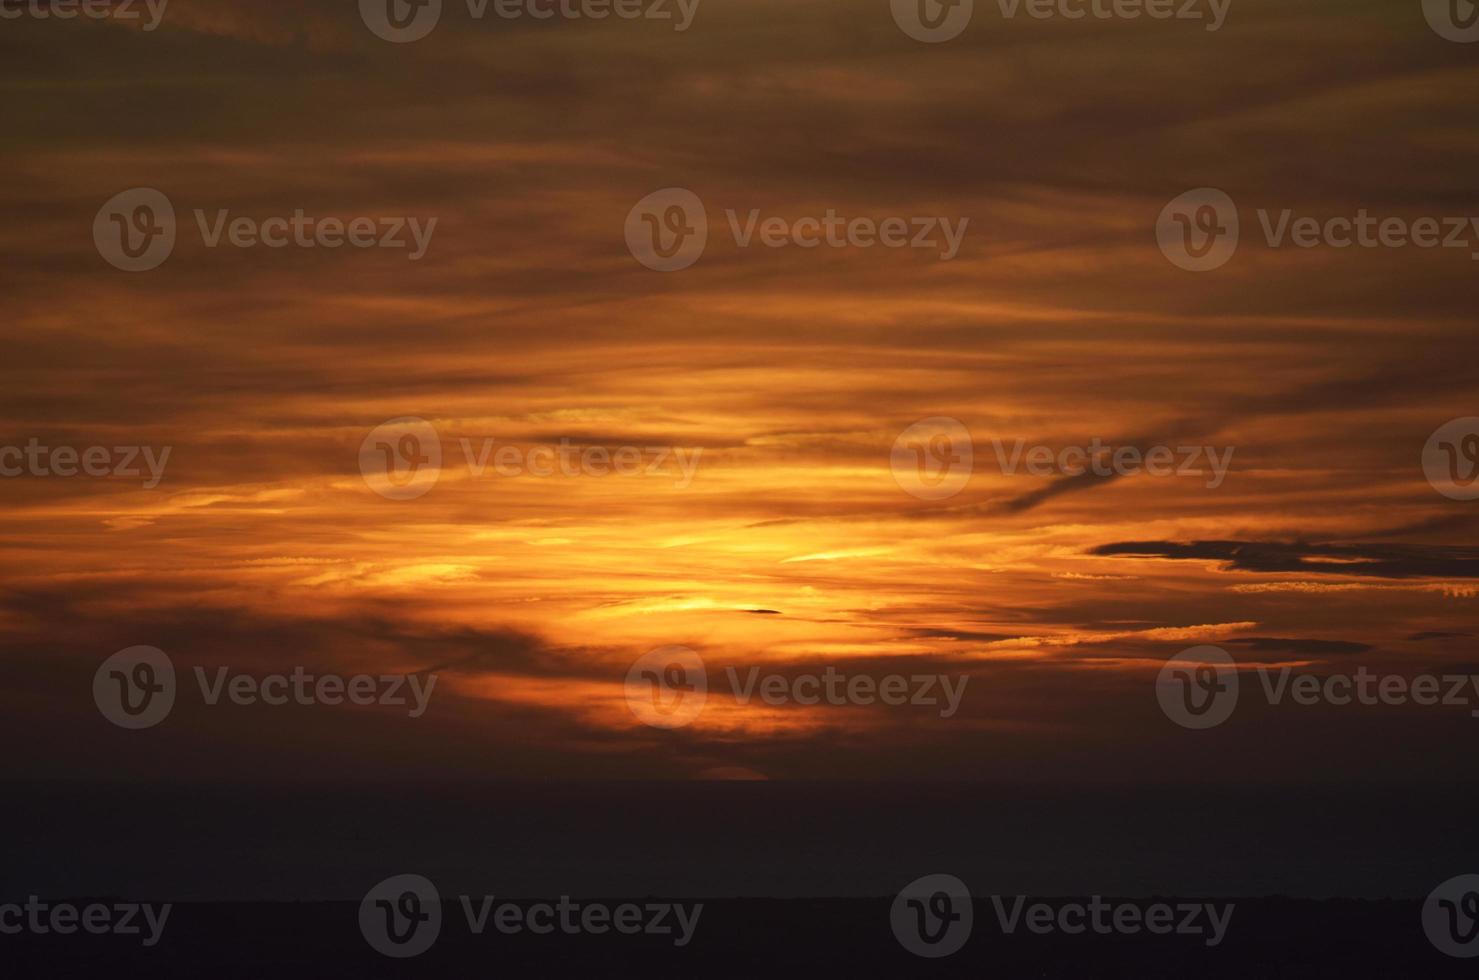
(1300, 645)
(1363, 560)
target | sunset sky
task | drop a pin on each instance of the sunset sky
(792, 370)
